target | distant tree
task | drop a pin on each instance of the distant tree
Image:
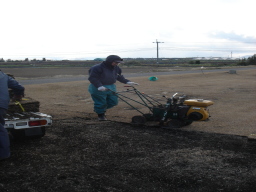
(132, 63)
(249, 61)
(243, 62)
(2, 60)
(44, 59)
(26, 59)
(252, 60)
(98, 59)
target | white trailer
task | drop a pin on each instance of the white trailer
(27, 124)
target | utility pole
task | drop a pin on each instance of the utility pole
(157, 49)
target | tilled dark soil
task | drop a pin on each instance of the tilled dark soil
(81, 154)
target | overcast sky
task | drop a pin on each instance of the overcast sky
(68, 29)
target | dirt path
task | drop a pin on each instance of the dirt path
(233, 111)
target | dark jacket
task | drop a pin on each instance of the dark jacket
(5, 83)
(105, 74)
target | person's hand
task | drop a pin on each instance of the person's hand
(102, 88)
(132, 83)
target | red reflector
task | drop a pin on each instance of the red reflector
(37, 123)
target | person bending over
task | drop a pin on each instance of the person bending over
(7, 82)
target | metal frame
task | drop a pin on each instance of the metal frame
(146, 100)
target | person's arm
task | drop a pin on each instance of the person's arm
(94, 76)
(120, 77)
(18, 89)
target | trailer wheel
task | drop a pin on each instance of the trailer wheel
(21, 134)
(138, 120)
(39, 135)
(17, 134)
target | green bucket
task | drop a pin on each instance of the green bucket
(152, 78)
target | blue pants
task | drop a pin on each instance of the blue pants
(103, 100)
(4, 137)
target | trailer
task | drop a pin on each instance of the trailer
(27, 124)
(23, 119)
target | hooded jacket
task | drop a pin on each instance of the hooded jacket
(106, 74)
(5, 83)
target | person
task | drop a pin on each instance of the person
(7, 82)
(103, 77)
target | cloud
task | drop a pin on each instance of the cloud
(231, 36)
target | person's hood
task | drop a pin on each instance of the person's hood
(112, 58)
